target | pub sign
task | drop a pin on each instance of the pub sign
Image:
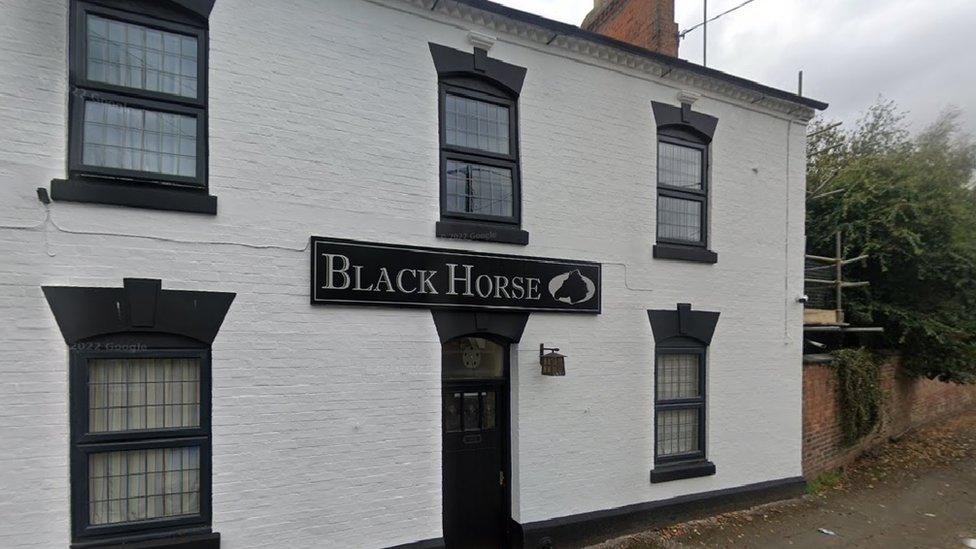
(366, 273)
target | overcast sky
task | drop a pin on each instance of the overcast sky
(918, 52)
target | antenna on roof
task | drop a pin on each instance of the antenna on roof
(704, 33)
(704, 26)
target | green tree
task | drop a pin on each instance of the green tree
(907, 201)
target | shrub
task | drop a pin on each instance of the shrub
(908, 202)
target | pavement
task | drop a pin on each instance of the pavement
(917, 492)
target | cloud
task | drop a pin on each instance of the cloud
(917, 52)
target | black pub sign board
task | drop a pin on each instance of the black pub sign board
(366, 273)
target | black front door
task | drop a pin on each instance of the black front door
(475, 440)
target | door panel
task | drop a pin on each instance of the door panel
(474, 446)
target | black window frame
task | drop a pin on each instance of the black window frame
(697, 403)
(684, 193)
(76, 166)
(479, 77)
(462, 87)
(83, 443)
(682, 331)
(125, 187)
(685, 128)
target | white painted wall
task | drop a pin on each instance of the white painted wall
(326, 420)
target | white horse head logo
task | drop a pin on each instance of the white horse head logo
(572, 288)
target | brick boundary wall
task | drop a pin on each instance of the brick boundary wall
(906, 403)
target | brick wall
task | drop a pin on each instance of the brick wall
(907, 403)
(646, 23)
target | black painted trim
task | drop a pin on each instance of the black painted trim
(137, 195)
(698, 403)
(478, 77)
(84, 313)
(454, 324)
(699, 195)
(209, 540)
(685, 253)
(77, 167)
(683, 322)
(679, 126)
(450, 62)
(598, 526)
(138, 320)
(564, 29)
(193, 13)
(122, 187)
(201, 8)
(146, 13)
(82, 354)
(483, 232)
(434, 543)
(682, 331)
(702, 125)
(84, 443)
(680, 471)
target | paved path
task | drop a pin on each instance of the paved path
(918, 493)
(937, 510)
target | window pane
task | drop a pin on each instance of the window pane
(472, 412)
(679, 166)
(679, 219)
(452, 412)
(677, 377)
(119, 136)
(476, 124)
(473, 358)
(488, 410)
(677, 432)
(134, 485)
(134, 56)
(479, 189)
(135, 394)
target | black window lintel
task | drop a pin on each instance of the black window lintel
(684, 119)
(85, 313)
(683, 322)
(451, 62)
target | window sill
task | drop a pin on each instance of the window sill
(134, 195)
(684, 253)
(678, 471)
(193, 541)
(484, 232)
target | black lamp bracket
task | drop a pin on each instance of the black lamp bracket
(543, 349)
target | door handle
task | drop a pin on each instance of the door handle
(501, 478)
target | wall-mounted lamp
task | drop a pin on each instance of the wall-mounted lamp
(553, 363)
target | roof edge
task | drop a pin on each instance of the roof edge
(558, 28)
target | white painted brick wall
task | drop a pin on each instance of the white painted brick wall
(326, 420)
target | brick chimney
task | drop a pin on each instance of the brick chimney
(646, 23)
